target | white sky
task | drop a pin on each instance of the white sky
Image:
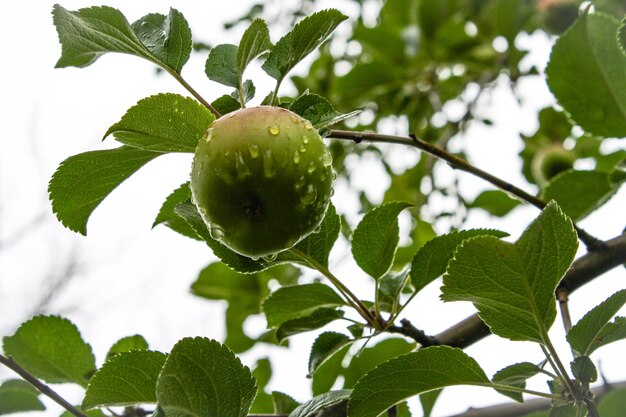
(136, 280)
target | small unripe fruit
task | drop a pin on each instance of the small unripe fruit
(551, 161)
(262, 180)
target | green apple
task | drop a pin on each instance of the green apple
(551, 161)
(262, 180)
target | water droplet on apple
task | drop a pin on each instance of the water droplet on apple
(318, 229)
(296, 158)
(240, 166)
(216, 232)
(334, 175)
(268, 164)
(302, 149)
(307, 125)
(327, 158)
(331, 192)
(300, 183)
(274, 130)
(305, 139)
(271, 257)
(309, 196)
(254, 150)
(311, 167)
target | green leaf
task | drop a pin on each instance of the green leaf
(189, 213)
(167, 214)
(327, 373)
(283, 403)
(82, 181)
(317, 110)
(376, 237)
(221, 65)
(163, 123)
(88, 33)
(592, 330)
(411, 374)
(613, 404)
(126, 379)
(495, 202)
(316, 404)
(262, 373)
(218, 282)
(370, 357)
(201, 377)
(226, 104)
(584, 370)
(167, 37)
(390, 288)
(515, 376)
(513, 285)
(313, 321)
(318, 245)
(51, 348)
(19, 396)
(428, 400)
(128, 343)
(248, 91)
(295, 301)
(305, 37)
(431, 260)
(324, 347)
(587, 75)
(255, 41)
(580, 192)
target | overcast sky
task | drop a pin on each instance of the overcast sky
(132, 279)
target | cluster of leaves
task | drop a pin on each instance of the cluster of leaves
(415, 59)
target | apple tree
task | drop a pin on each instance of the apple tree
(261, 196)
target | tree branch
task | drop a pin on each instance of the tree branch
(530, 406)
(41, 387)
(455, 162)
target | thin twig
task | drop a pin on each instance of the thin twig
(413, 332)
(41, 387)
(563, 298)
(454, 161)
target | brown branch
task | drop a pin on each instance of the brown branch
(455, 162)
(562, 296)
(406, 328)
(40, 386)
(530, 406)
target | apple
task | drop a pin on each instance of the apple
(262, 180)
(551, 161)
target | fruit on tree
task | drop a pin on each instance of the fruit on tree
(551, 161)
(262, 180)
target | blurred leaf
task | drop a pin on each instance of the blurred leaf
(318, 110)
(82, 181)
(167, 37)
(411, 374)
(283, 403)
(327, 373)
(495, 202)
(512, 284)
(592, 90)
(221, 65)
(313, 406)
(167, 214)
(375, 239)
(369, 358)
(324, 347)
(262, 373)
(595, 330)
(613, 404)
(288, 303)
(312, 321)
(128, 343)
(304, 38)
(218, 282)
(126, 379)
(621, 35)
(515, 376)
(431, 260)
(51, 348)
(163, 123)
(579, 193)
(18, 396)
(201, 377)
